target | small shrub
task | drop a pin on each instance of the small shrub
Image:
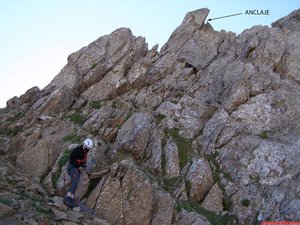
(114, 105)
(245, 202)
(129, 114)
(170, 184)
(226, 202)
(95, 104)
(255, 179)
(228, 176)
(65, 158)
(94, 66)
(264, 135)
(61, 162)
(77, 118)
(188, 187)
(159, 118)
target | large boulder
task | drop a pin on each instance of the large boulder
(171, 159)
(125, 196)
(134, 135)
(200, 178)
(163, 208)
(191, 218)
(42, 147)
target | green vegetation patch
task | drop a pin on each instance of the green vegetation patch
(264, 135)
(77, 118)
(188, 187)
(65, 158)
(129, 114)
(94, 66)
(114, 105)
(73, 138)
(171, 184)
(245, 202)
(159, 117)
(211, 217)
(228, 176)
(184, 145)
(61, 162)
(227, 203)
(95, 104)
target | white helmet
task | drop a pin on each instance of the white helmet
(88, 143)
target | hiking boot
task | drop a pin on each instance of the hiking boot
(70, 202)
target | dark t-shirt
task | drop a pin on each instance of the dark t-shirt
(78, 156)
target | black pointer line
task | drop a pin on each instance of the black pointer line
(224, 16)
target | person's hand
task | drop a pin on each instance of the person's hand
(81, 170)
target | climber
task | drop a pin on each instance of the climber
(77, 163)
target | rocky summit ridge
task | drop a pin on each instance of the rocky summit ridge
(204, 131)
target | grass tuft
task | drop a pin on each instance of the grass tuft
(94, 66)
(264, 135)
(159, 118)
(65, 158)
(77, 118)
(95, 104)
(171, 184)
(245, 202)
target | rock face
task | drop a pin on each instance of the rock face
(124, 197)
(203, 131)
(200, 178)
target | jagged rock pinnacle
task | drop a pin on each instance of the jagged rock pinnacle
(196, 18)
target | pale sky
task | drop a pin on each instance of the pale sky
(38, 35)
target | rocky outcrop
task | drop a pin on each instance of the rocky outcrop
(134, 135)
(200, 178)
(203, 131)
(125, 196)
